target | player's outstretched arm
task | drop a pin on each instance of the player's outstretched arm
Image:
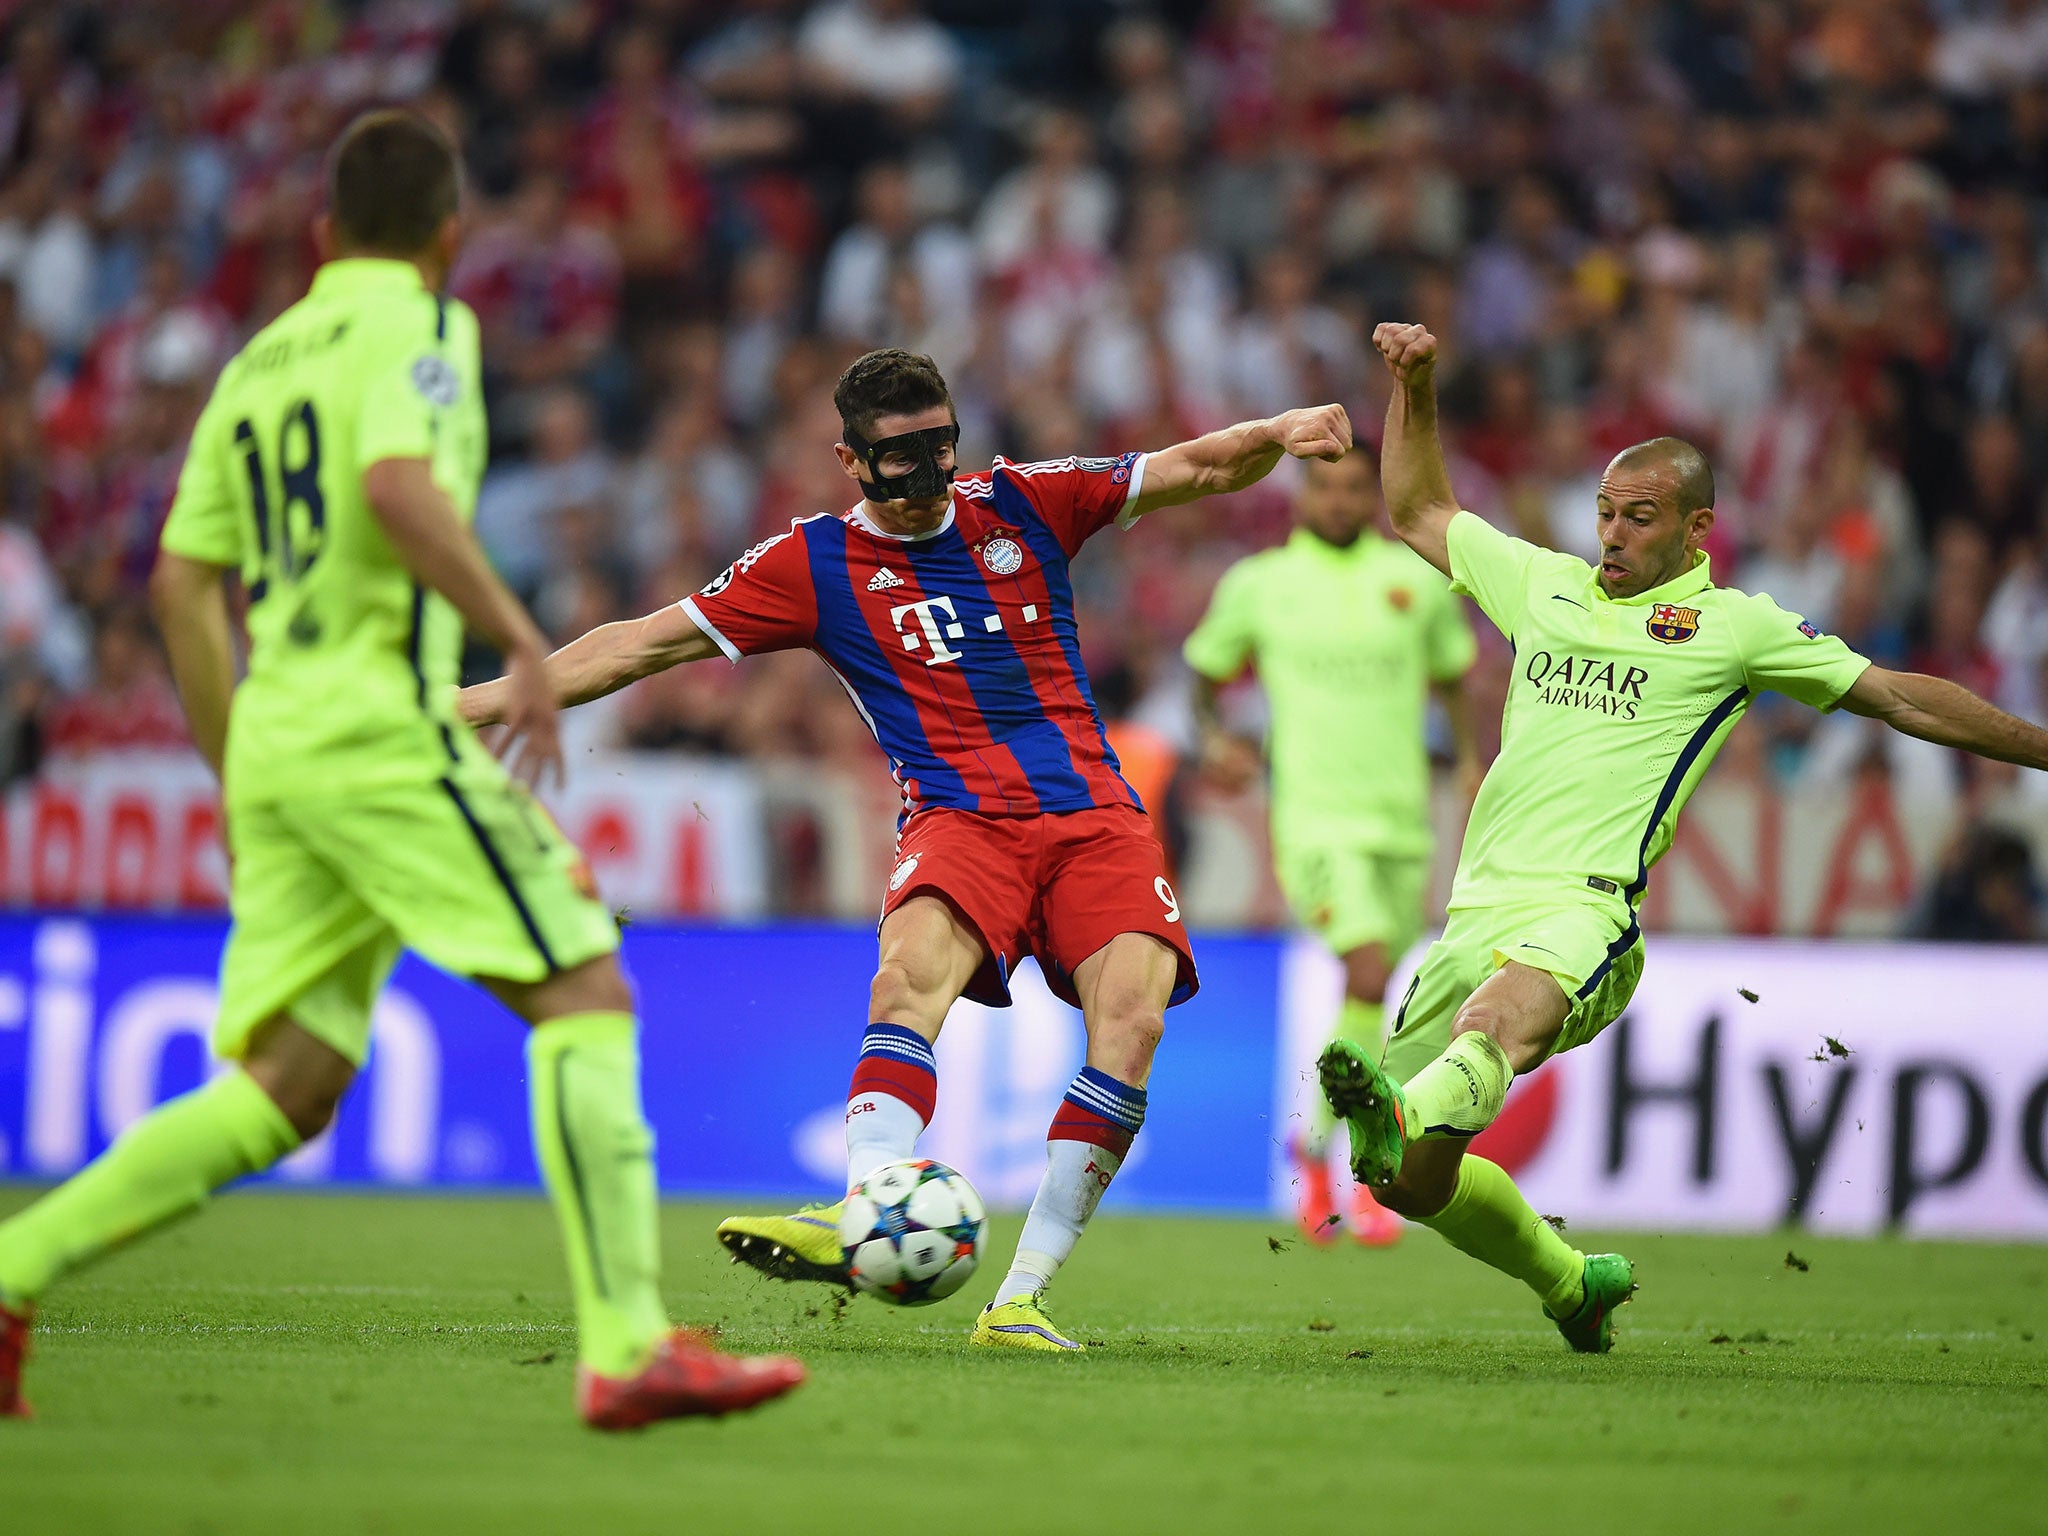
(191, 608)
(1232, 458)
(1937, 710)
(603, 661)
(441, 549)
(1413, 476)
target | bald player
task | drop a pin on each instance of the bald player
(1627, 680)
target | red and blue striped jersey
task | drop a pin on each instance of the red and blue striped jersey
(959, 647)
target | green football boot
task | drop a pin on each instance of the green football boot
(1370, 1103)
(804, 1246)
(1610, 1282)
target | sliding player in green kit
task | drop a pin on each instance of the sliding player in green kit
(336, 468)
(1349, 632)
(1627, 680)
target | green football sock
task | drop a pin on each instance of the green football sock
(1461, 1091)
(597, 1157)
(1488, 1218)
(1362, 1024)
(163, 1165)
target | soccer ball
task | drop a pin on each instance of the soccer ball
(913, 1232)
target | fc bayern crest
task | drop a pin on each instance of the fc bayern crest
(903, 872)
(1003, 557)
(1671, 624)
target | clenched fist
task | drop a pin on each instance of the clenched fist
(1314, 432)
(1410, 350)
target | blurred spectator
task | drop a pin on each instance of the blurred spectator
(691, 493)
(1288, 346)
(1510, 274)
(128, 704)
(1807, 235)
(871, 254)
(2016, 628)
(764, 318)
(1057, 201)
(519, 509)
(1998, 45)
(1150, 361)
(1557, 500)
(48, 252)
(1987, 892)
(545, 289)
(1995, 496)
(884, 55)
(1731, 344)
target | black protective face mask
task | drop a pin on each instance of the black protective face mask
(924, 482)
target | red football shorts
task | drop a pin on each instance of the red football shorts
(1057, 887)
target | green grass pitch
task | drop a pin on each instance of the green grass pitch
(319, 1363)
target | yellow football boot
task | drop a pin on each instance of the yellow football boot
(1022, 1324)
(804, 1246)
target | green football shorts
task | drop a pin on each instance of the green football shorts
(1349, 896)
(468, 870)
(1594, 950)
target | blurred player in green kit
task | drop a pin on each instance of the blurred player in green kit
(1349, 633)
(336, 469)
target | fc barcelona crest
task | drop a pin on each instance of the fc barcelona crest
(1673, 625)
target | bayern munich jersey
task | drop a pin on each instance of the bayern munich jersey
(959, 646)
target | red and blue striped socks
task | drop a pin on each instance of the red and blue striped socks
(895, 1086)
(1090, 1136)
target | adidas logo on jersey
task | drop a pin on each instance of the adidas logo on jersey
(884, 580)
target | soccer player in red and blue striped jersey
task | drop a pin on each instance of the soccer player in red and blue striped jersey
(944, 606)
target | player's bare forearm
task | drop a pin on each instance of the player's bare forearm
(192, 613)
(442, 551)
(1414, 478)
(1235, 457)
(1937, 710)
(1465, 764)
(603, 661)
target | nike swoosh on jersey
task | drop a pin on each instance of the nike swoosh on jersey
(1559, 597)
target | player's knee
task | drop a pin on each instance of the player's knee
(308, 1101)
(313, 1114)
(609, 991)
(1524, 1044)
(900, 994)
(302, 1075)
(1132, 1031)
(1366, 974)
(1408, 1200)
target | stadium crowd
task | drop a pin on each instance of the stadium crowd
(1807, 234)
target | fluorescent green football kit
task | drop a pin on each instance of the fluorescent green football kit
(1616, 709)
(362, 813)
(1346, 643)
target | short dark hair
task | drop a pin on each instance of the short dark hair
(392, 180)
(1686, 463)
(889, 382)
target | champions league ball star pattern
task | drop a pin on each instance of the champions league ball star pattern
(913, 1232)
